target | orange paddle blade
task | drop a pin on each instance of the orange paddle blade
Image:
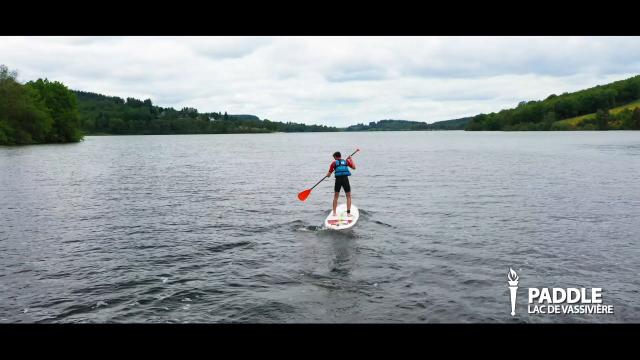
(304, 195)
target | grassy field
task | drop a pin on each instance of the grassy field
(572, 123)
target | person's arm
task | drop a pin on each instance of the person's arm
(351, 163)
(331, 168)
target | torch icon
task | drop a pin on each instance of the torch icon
(513, 287)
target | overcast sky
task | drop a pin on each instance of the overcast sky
(327, 80)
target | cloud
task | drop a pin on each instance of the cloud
(328, 80)
(226, 47)
(356, 75)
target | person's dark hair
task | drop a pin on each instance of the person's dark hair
(337, 154)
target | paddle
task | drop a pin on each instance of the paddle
(305, 194)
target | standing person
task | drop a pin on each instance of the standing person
(341, 167)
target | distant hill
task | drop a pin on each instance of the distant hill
(407, 125)
(245, 117)
(581, 110)
(100, 114)
(455, 124)
(389, 125)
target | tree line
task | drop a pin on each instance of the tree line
(102, 114)
(407, 125)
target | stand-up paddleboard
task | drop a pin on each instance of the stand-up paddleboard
(341, 221)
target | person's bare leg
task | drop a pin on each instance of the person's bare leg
(335, 202)
(348, 201)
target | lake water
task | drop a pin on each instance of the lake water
(208, 228)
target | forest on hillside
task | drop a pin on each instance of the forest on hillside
(548, 114)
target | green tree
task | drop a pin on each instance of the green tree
(602, 119)
(5, 74)
(635, 119)
(623, 118)
(118, 126)
(5, 132)
(548, 120)
(62, 107)
(24, 119)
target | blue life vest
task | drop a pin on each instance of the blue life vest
(341, 168)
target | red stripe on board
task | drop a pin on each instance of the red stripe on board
(333, 222)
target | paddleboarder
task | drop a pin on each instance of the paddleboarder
(342, 173)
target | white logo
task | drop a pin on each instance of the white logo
(513, 287)
(559, 300)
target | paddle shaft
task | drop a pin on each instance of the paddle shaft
(318, 182)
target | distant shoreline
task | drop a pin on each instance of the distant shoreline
(278, 132)
(374, 131)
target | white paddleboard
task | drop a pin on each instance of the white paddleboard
(341, 221)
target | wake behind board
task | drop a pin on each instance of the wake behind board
(341, 221)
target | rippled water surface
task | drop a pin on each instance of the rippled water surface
(207, 228)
